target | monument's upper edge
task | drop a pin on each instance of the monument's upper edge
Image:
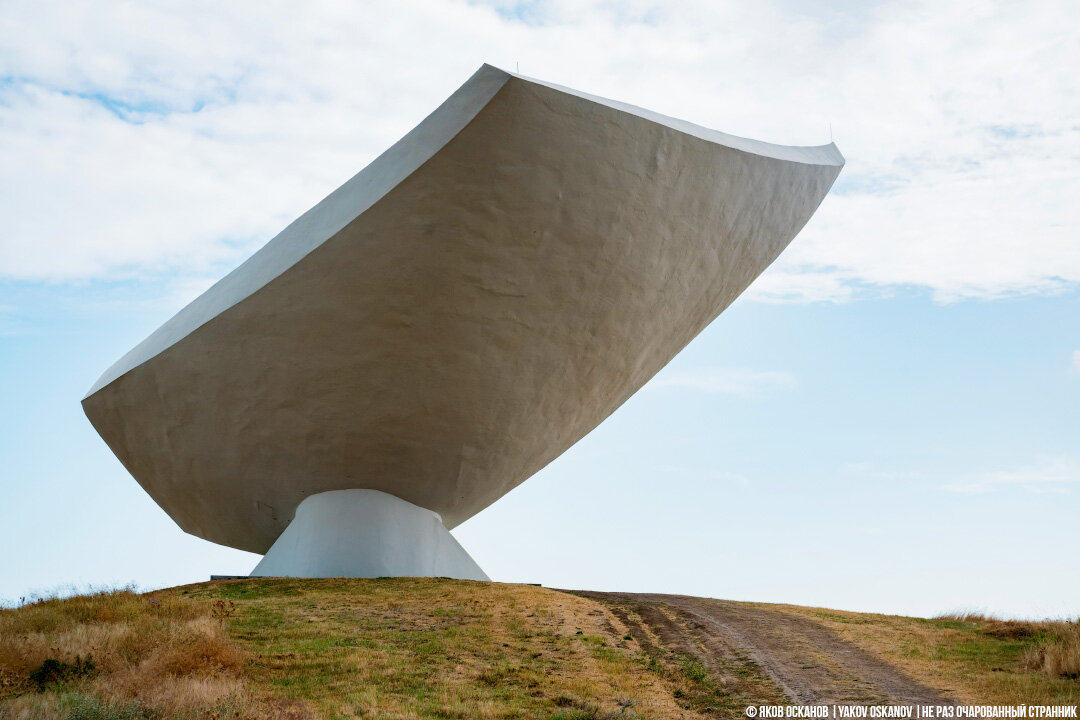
(811, 155)
(343, 205)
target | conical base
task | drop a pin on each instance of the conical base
(366, 533)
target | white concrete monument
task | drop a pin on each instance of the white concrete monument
(445, 324)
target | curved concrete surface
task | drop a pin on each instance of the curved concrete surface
(366, 533)
(457, 315)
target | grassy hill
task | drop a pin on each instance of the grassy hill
(433, 648)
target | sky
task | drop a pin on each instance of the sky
(887, 420)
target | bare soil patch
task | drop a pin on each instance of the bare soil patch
(807, 662)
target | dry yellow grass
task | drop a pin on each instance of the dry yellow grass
(412, 648)
(974, 658)
(1055, 644)
(125, 654)
(401, 648)
(436, 648)
(1059, 654)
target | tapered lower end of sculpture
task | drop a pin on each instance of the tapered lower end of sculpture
(364, 534)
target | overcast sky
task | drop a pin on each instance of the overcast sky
(887, 420)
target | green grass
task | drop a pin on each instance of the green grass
(434, 648)
(978, 659)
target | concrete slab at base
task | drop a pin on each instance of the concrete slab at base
(366, 533)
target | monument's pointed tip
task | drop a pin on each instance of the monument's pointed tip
(494, 69)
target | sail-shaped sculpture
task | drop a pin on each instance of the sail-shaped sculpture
(445, 324)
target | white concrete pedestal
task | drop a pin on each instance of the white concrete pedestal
(366, 533)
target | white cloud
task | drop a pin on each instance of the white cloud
(723, 381)
(1054, 475)
(1074, 366)
(787, 283)
(156, 137)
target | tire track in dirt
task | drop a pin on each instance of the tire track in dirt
(807, 661)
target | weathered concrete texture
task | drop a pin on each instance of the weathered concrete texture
(366, 533)
(457, 315)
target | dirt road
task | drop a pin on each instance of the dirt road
(806, 662)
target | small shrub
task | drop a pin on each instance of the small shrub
(1011, 629)
(223, 609)
(56, 671)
